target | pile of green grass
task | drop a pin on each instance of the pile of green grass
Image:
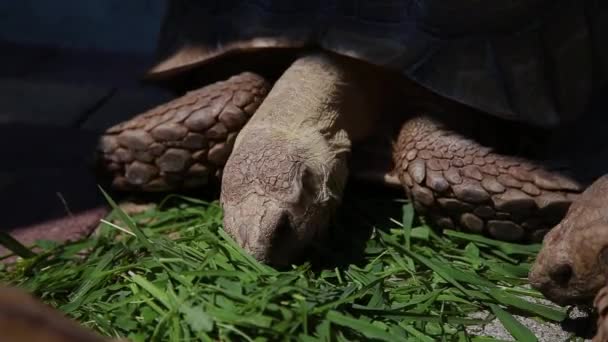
(174, 275)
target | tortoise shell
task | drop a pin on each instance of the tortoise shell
(534, 61)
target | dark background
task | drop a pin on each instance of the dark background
(68, 70)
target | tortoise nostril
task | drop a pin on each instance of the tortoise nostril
(282, 229)
(281, 245)
(561, 274)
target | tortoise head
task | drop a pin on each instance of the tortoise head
(278, 197)
(573, 263)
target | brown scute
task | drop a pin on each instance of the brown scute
(194, 141)
(457, 179)
(492, 185)
(233, 117)
(135, 139)
(505, 230)
(217, 132)
(472, 223)
(423, 195)
(219, 153)
(513, 201)
(454, 206)
(174, 160)
(470, 191)
(169, 132)
(417, 170)
(139, 173)
(159, 149)
(436, 181)
(484, 211)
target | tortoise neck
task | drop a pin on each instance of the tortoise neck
(325, 94)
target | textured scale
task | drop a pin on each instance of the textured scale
(182, 143)
(460, 184)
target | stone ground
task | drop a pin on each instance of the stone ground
(579, 323)
(53, 105)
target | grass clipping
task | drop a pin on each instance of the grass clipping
(174, 275)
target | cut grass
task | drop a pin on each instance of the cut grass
(175, 275)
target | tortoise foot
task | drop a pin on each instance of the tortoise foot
(459, 183)
(184, 143)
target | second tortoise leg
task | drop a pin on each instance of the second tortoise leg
(459, 183)
(184, 143)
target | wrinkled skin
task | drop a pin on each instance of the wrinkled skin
(573, 263)
(288, 168)
(274, 205)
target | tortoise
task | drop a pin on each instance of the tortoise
(572, 265)
(276, 97)
(601, 305)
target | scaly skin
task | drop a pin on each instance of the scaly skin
(573, 263)
(288, 169)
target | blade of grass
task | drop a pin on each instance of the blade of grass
(509, 248)
(516, 329)
(366, 329)
(128, 221)
(15, 246)
(538, 309)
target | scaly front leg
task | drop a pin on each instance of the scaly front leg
(183, 143)
(459, 183)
